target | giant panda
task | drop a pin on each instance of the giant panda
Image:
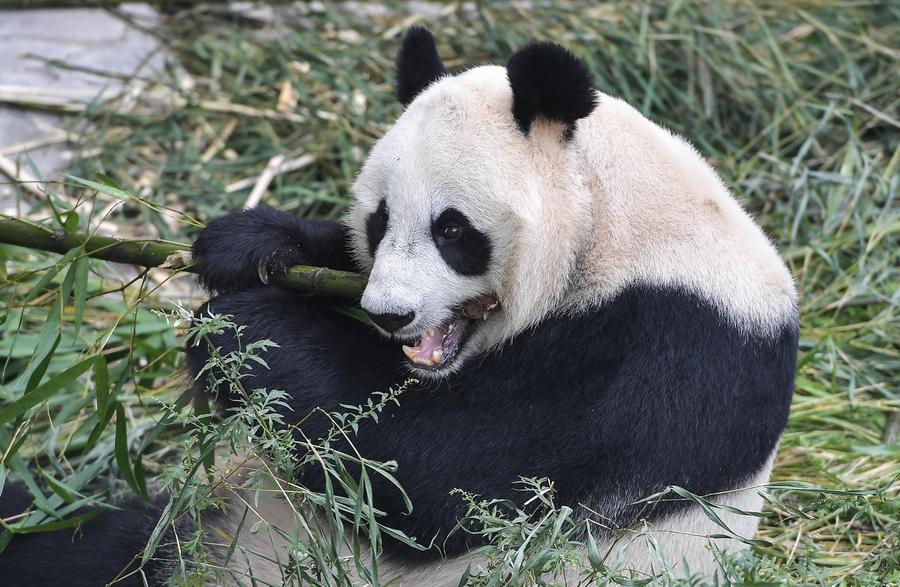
(577, 293)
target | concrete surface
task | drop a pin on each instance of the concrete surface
(83, 38)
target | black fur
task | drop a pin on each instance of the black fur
(469, 254)
(376, 226)
(549, 82)
(418, 64)
(233, 250)
(91, 556)
(652, 389)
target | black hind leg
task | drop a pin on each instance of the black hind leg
(103, 548)
(323, 358)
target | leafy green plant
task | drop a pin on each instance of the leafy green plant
(254, 431)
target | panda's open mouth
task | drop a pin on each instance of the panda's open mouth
(439, 346)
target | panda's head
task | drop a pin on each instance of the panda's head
(471, 209)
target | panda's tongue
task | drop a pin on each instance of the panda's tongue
(429, 350)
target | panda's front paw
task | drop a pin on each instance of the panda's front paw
(278, 262)
(245, 249)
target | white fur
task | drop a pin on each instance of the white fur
(663, 217)
(457, 145)
(626, 202)
(677, 546)
(680, 546)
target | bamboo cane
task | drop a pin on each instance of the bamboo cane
(168, 255)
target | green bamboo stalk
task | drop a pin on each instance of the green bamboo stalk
(306, 279)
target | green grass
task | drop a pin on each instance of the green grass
(796, 106)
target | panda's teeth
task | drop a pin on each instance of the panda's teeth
(410, 352)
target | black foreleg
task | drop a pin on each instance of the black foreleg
(241, 250)
(323, 358)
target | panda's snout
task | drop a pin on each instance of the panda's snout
(390, 321)
(394, 296)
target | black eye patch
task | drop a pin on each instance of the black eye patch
(464, 248)
(376, 226)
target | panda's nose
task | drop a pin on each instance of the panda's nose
(392, 322)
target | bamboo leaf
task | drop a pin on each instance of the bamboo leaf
(47, 342)
(99, 427)
(68, 284)
(101, 384)
(44, 391)
(35, 378)
(71, 221)
(47, 277)
(594, 556)
(17, 465)
(237, 533)
(122, 460)
(104, 188)
(53, 526)
(80, 268)
(58, 487)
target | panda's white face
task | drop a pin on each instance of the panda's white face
(468, 225)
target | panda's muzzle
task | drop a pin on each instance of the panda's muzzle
(439, 346)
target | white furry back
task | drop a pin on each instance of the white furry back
(663, 217)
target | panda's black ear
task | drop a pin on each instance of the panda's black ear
(548, 81)
(418, 64)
